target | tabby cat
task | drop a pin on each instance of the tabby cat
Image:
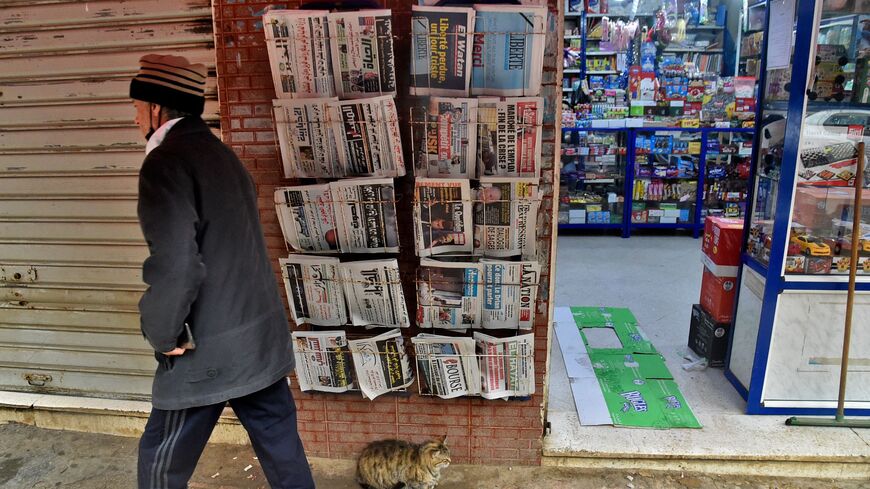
(397, 464)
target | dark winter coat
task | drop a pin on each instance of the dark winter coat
(209, 268)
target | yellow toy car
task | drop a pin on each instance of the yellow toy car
(811, 246)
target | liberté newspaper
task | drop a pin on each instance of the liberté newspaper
(505, 217)
(314, 290)
(448, 294)
(373, 290)
(441, 41)
(446, 140)
(323, 361)
(508, 53)
(509, 136)
(381, 364)
(298, 44)
(350, 216)
(442, 216)
(507, 365)
(510, 291)
(447, 366)
(363, 59)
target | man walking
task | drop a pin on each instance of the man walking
(212, 311)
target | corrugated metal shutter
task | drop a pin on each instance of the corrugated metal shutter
(70, 246)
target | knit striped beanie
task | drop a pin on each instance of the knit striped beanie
(170, 81)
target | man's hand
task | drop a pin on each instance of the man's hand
(174, 353)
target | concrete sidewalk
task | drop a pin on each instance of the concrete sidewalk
(38, 458)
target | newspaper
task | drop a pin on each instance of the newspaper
(306, 135)
(374, 293)
(447, 140)
(367, 133)
(381, 364)
(447, 366)
(323, 361)
(365, 211)
(505, 217)
(508, 53)
(307, 218)
(313, 290)
(509, 136)
(510, 290)
(362, 53)
(448, 295)
(299, 53)
(441, 42)
(442, 216)
(507, 365)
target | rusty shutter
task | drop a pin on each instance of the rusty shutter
(70, 246)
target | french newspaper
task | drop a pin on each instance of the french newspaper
(307, 218)
(441, 43)
(447, 366)
(505, 217)
(381, 364)
(373, 290)
(448, 295)
(314, 290)
(442, 216)
(509, 136)
(510, 291)
(307, 138)
(448, 142)
(298, 44)
(323, 361)
(362, 53)
(367, 133)
(507, 365)
(365, 211)
(508, 53)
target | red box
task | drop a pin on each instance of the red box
(722, 237)
(717, 296)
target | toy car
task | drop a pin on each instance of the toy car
(844, 243)
(811, 246)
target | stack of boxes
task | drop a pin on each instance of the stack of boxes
(712, 318)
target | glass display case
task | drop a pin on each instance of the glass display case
(788, 331)
(728, 158)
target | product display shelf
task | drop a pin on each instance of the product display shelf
(784, 353)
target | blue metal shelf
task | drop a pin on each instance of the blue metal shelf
(618, 225)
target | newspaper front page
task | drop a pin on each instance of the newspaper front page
(447, 141)
(509, 136)
(381, 364)
(507, 365)
(448, 295)
(362, 53)
(323, 361)
(510, 290)
(306, 135)
(374, 293)
(505, 217)
(298, 44)
(367, 133)
(365, 211)
(508, 53)
(442, 216)
(447, 366)
(441, 43)
(314, 290)
(307, 218)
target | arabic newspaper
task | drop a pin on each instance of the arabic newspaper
(508, 53)
(313, 290)
(447, 366)
(374, 293)
(307, 137)
(299, 53)
(507, 365)
(448, 295)
(448, 141)
(442, 216)
(505, 217)
(323, 361)
(381, 364)
(366, 215)
(307, 218)
(362, 53)
(441, 42)
(509, 136)
(367, 133)
(510, 290)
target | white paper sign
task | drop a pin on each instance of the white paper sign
(779, 36)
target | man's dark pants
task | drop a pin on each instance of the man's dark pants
(174, 440)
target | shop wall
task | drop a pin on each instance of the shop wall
(338, 426)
